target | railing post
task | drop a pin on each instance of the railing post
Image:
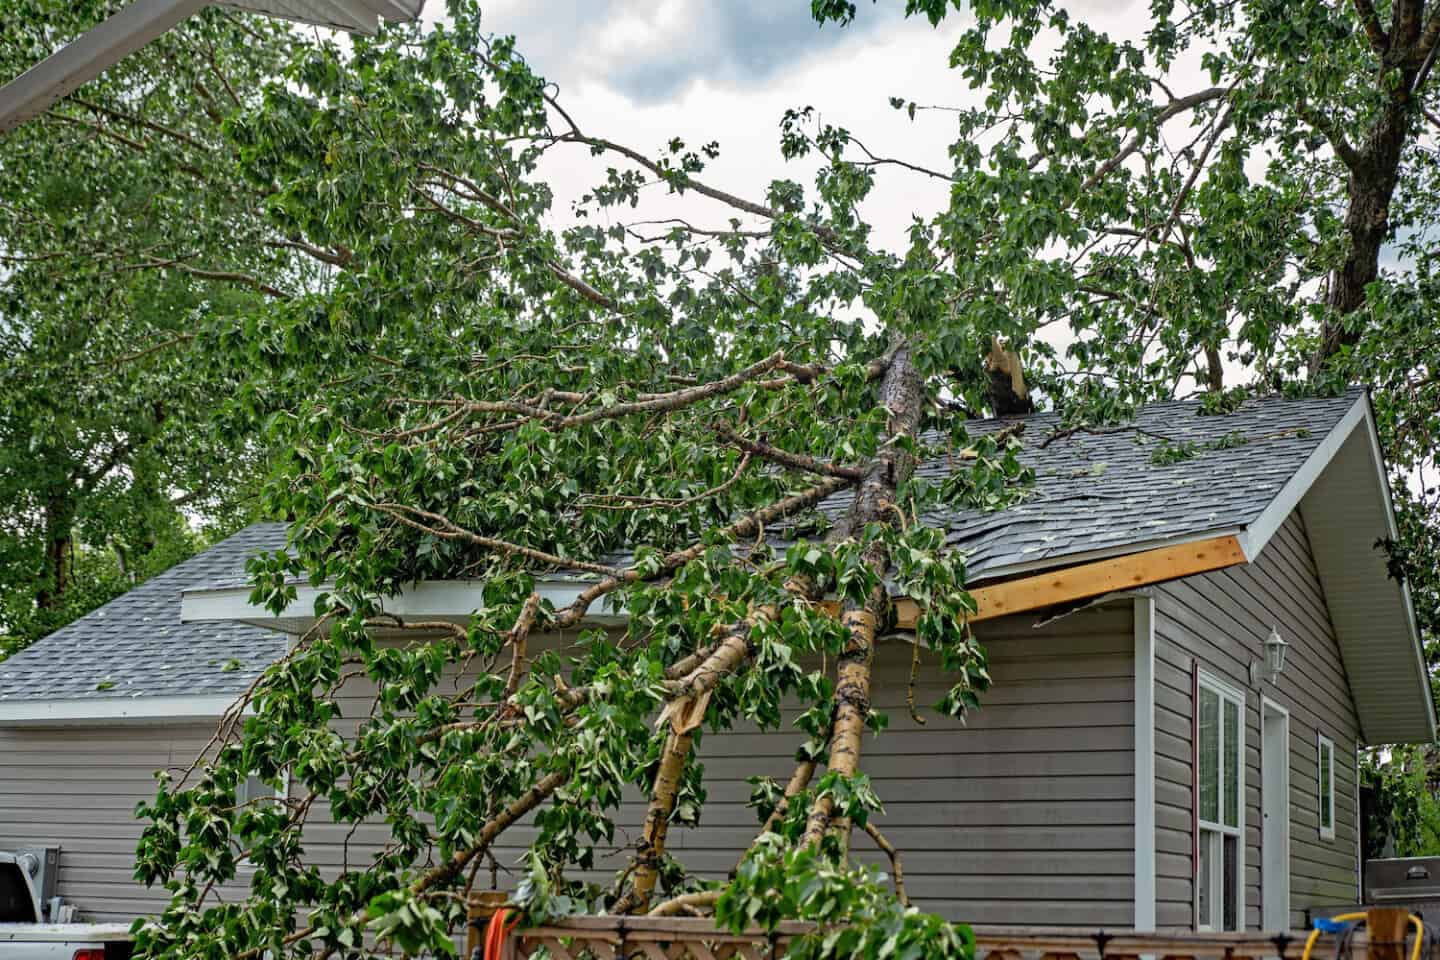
(1386, 929)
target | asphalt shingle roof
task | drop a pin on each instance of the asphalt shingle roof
(136, 646)
(1093, 491)
(1100, 491)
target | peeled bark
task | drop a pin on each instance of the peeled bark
(657, 821)
(900, 395)
(684, 712)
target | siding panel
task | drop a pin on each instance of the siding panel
(1220, 620)
(1023, 815)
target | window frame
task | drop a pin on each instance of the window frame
(1324, 785)
(1214, 831)
(280, 794)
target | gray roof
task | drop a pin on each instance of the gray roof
(1094, 492)
(136, 646)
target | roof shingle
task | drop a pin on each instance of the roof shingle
(1094, 492)
(136, 646)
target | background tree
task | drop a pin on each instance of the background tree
(131, 253)
(494, 396)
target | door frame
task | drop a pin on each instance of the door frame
(1274, 816)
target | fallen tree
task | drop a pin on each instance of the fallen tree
(714, 424)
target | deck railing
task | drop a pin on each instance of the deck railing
(696, 938)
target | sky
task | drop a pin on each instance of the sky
(644, 71)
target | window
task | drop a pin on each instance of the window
(254, 788)
(1325, 787)
(1220, 814)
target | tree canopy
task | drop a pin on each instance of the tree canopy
(474, 386)
(131, 256)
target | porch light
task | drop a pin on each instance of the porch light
(1275, 647)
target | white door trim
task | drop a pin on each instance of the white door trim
(1274, 817)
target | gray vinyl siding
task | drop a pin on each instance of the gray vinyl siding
(1220, 620)
(77, 787)
(1023, 815)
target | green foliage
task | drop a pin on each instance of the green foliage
(1404, 817)
(130, 252)
(452, 386)
(856, 913)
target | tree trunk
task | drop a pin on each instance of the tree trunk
(1374, 173)
(657, 820)
(900, 394)
(59, 548)
(1367, 221)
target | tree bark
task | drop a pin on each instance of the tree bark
(900, 395)
(59, 549)
(684, 713)
(1374, 174)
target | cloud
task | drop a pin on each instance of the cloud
(654, 50)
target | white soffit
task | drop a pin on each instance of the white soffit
(354, 16)
(1347, 510)
(452, 600)
(1263, 527)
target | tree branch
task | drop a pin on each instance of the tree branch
(449, 530)
(896, 870)
(794, 461)
(1132, 144)
(1379, 41)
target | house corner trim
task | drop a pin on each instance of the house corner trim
(1144, 763)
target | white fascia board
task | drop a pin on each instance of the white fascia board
(110, 710)
(87, 56)
(430, 599)
(1263, 527)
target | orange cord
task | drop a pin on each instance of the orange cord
(496, 933)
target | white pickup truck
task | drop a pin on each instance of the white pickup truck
(64, 941)
(27, 902)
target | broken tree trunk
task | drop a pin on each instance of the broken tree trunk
(684, 713)
(875, 502)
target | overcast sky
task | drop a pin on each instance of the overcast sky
(643, 71)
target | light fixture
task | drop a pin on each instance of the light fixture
(1275, 647)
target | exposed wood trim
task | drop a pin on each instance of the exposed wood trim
(1094, 579)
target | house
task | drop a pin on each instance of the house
(1137, 763)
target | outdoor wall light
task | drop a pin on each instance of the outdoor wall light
(1275, 647)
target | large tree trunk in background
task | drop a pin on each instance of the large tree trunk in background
(58, 552)
(1374, 173)
(900, 394)
(1367, 220)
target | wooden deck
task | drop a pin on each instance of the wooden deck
(695, 938)
(1382, 935)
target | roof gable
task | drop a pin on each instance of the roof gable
(1101, 493)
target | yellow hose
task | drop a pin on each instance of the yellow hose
(1414, 922)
